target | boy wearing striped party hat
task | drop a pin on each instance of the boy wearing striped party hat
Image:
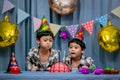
(42, 57)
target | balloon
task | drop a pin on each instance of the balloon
(109, 38)
(8, 33)
(64, 35)
(63, 7)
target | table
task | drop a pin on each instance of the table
(41, 75)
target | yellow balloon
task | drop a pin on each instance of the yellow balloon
(8, 33)
(109, 38)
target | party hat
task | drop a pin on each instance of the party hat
(80, 34)
(13, 66)
(44, 25)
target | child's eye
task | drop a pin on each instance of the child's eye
(70, 47)
(50, 40)
(45, 40)
(76, 47)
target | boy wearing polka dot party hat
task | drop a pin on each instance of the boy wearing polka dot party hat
(75, 60)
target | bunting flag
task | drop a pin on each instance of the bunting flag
(80, 34)
(7, 5)
(88, 26)
(116, 11)
(54, 28)
(36, 23)
(21, 16)
(103, 20)
(72, 29)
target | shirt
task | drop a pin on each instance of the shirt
(84, 61)
(33, 58)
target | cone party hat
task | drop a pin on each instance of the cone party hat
(80, 34)
(44, 25)
(13, 67)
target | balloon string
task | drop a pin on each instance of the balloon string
(6, 18)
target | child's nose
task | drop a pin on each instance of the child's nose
(48, 42)
(73, 49)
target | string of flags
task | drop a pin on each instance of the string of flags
(22, 15)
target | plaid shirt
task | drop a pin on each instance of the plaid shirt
(34, 59)
(85, 61)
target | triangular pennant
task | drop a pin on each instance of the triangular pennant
(21, 16)
(80, 34)
(54, 28)
(103, 20)
(116, 11)
(7, 5)
(88, 26)
(36, 23)
(72, 29)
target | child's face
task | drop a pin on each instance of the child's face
(45, 42)
(75, 50)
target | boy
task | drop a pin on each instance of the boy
(42, 57)
(76, 60)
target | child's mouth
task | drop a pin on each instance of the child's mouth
(72, 53)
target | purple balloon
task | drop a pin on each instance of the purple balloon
(98, 71)
(64, 35)
(84, 70)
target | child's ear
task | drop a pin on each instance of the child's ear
(83, 50)
(38, 41)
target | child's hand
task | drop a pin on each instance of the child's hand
(84, 67)
(34, 68)
(48, 69)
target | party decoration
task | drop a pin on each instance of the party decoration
(13, 67)
(59, 67)
(63, 7)
(54, 28)
(36, 23)
(7, 5)
(98, 71)
(88, 26)
(108, 70)
(21, 16)
(8, 33)
(44, 25)
(103, 20)
(63, 33)
(80, 34)
(72, 29)
(92, 69)
(84, 70)
(109, 38)
(116, 11)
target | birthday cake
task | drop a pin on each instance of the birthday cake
(59, 67)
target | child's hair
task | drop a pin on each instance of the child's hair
(79, 42)
(44, 33)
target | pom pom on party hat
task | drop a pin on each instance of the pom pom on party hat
(44, 25)
(80, 34)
